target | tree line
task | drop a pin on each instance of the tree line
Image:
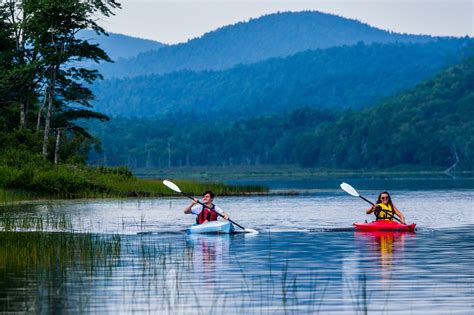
(427, 127)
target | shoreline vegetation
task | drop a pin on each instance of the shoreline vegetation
(79, 182)
(25, 176)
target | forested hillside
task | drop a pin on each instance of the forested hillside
(340, 77)
(274, 35)
(429, 127)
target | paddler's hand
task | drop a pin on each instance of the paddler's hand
(195, 201)
(372, 209)
(225, 216)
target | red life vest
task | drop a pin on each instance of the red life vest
(206, 214)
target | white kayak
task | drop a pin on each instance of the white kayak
(222, 227)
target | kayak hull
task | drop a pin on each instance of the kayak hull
(214, 227)
(384, 226)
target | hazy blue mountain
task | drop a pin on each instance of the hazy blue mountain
(274, 35)
(121, 46)
(340, 77)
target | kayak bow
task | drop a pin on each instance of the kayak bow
(214, 227)
(383, 225)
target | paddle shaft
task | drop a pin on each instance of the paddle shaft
(363, 198)
(240, 226)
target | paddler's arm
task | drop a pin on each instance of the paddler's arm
(188, 209)
(371, 209)
(400, 214)
(220, 211)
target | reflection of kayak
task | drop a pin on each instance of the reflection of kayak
(211, 227)
(384, 226)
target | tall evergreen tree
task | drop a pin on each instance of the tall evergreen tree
(48, 55)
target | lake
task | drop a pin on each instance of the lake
(124, 256)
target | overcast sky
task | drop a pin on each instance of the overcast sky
(179, 20)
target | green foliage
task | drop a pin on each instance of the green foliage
(430, 127)
(23, 139)
(30, 175)
(40, 65)
(119, 170)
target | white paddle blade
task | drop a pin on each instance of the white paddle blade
(349, 189)
(251, 231)
(171, 186)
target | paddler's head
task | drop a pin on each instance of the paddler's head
(384, 197)
(207, 196)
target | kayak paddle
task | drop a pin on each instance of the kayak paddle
(175, 187)
(351, 191)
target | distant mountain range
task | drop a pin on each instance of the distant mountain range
(274, 35)
(121, 46)
(339, 77)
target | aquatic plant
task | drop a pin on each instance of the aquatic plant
(73, 181)
(12, 221)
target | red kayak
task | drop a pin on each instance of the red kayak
(384, 225)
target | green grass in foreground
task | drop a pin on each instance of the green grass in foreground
(8, 196)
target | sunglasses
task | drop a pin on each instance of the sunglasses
(383, 198)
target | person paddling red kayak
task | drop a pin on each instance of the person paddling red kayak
(385, 212)
(384, 209)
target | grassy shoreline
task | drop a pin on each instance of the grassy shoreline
(79, 182)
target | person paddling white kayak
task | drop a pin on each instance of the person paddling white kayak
(384, 209)
(207, 213)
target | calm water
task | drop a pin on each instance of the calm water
(305, 260)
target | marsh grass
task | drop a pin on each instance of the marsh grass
(11, 196)
(159, 275)
(22, 250)
(153, 187)
(11, 221)
(71, 182)
(165, 277)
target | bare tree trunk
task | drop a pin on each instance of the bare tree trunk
(56, 149)
(22, 115)
(40, 112)
(47, 121)
(148, 159)
(456, 157)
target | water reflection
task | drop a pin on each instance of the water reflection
(272, 273)
(43, 272)
(387, 246)
(319, 267)
(210, 254)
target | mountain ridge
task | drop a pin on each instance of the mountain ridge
(348, 76)
(273, 35)
(119, 46)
